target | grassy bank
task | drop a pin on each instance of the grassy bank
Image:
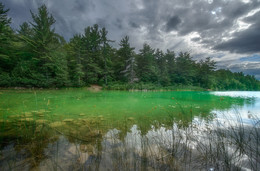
(144, 87)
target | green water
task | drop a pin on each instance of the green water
(39, 118)
(112, 106)
(113, 109)
(72, 103)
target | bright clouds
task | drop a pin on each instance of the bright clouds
(226, 30)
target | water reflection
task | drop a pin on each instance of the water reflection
(246, 112)
(185, 132)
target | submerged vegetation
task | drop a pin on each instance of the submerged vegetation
(36, 56)
(81, 130)
(88, 129)
(74, 144)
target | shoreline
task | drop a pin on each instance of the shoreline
(97, 88)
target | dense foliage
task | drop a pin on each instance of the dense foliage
(36, 56)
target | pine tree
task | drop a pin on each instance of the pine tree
(106, 51)
(170, 60)
(185, 69)
(7, 61)
(6, 36)
(146, 65)
(127, 62)
(162, 72)
(205, 72)
(74, 51)
(47, 48)
(25, 30)
(92, 57)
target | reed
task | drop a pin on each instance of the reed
(91, 144)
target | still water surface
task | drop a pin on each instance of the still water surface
(77, 129)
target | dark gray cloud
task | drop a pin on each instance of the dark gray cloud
(173, 23)
(133, 24)
(195, 39)
(80, 5)
(247, 41)
(210, 27)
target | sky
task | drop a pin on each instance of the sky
(228, 31)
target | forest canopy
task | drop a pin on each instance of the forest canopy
(36, 56)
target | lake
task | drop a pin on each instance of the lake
(76, 129)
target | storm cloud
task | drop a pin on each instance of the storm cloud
(173, 23)
(226, 30)
(247, 41)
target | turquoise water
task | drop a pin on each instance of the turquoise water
(53, 123)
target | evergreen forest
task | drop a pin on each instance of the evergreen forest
(36, 56)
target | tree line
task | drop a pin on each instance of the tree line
(36, 56)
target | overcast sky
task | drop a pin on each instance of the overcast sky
(226, 30)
